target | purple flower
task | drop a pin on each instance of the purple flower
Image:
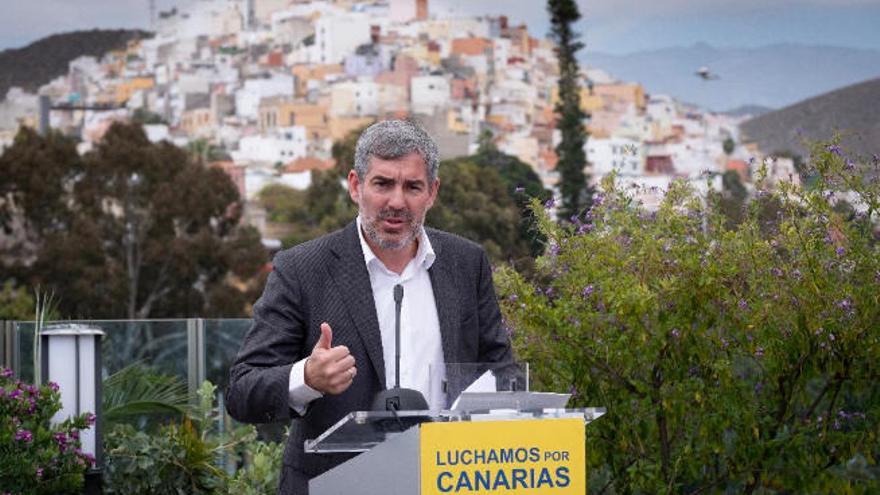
(796, 274)
(588, 291)
(550, 203)
(39, 472)
(675, 333)
(724, 343)
(5, 373)
(759, 387)
(512, 298)
(554, 249)
(90, 418)
(61, 440)
(776, 272)
(743, 305)
(759, 352)
(834, 149)
(584, 228)
(840, 251)
(53, 386)
(24, 436)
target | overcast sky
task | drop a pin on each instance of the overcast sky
(615, 26)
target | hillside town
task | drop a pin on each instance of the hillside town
(265, 87)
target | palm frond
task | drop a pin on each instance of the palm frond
(136, 390)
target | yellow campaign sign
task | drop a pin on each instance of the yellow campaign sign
(503, 457)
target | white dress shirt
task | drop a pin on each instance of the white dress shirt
(421, 353)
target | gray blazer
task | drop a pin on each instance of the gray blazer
(326, 279)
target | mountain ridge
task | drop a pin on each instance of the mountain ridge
(36, 64)
(851, 111)
(773, 76)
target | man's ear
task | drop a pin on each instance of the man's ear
(354, 185)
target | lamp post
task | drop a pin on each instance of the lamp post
(71, 357)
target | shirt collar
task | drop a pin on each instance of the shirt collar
(424, 257)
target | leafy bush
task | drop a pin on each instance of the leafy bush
(173, 460)
(37, 457)
(731, 358)
(262, 469)
(187, 454)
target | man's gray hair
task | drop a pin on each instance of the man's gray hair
(393, 139)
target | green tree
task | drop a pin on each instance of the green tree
(573, 182)
(35, 173)
(728, 146)
(474, 202)
(137, 230)
(731, 360)
(15, 302)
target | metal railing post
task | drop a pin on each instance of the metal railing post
(5, 345)
(195, 352)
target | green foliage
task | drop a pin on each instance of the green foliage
(185, 455)
(144, 231)
(728, 146)
(262, 471)
(137, 391)
(731, 358)
(474, 202)
(573, 183)
(37, 457)
(15, 302)
(174, 460)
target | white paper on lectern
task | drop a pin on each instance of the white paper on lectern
(516, 401)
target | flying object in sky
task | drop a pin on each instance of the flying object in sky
(706, 74)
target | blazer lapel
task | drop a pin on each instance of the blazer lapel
(353, 281)
(446, 298)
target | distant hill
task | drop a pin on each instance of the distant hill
(748, 111)
(772, 76)
(43, 60)
(854, 111)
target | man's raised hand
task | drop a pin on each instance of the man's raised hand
(330, 370)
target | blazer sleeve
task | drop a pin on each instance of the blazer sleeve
(259, 379)
(494, 340)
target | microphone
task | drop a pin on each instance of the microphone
(399, 399)
(398, 300)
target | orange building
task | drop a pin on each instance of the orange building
(125, 89)
(307, 72)
(471, 46)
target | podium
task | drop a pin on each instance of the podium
(440, 452)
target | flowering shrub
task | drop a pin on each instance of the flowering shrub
(731, 358)
(36, 457)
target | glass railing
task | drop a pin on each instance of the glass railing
(192, 349)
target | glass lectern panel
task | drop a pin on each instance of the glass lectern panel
(449, 380)
(362, 430)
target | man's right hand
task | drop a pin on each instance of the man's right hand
(329, 370)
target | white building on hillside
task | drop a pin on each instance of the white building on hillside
(283, 146)
(247, 99)
(428, 93)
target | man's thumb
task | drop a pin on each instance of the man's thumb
(326, 339)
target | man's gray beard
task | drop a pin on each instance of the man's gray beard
(373, 235)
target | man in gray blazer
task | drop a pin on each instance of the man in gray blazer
(322, 335)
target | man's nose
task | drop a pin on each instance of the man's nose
(396, 200)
